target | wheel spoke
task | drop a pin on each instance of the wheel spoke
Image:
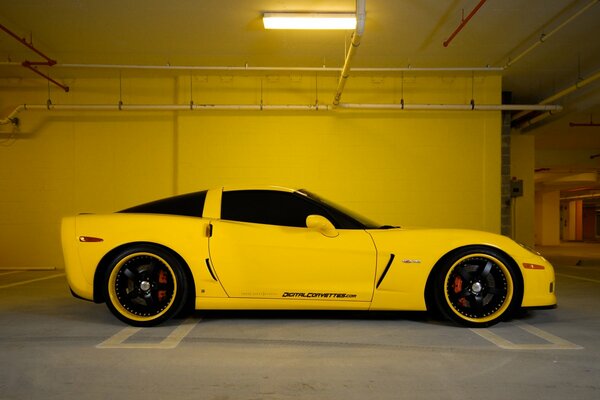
(464, 274)
(476, 302)
(486, 270)
(131, 274)
(151, 266)
(149, 300)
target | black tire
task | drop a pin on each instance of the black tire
(477, 287)
(145, 285)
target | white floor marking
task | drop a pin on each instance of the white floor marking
(10, 272)
(117, 341)
(554, 342)
(31, 280)
(578, 277)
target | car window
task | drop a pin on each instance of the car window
(268, 207)
(190, 204)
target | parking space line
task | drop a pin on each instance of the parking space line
(554, 342)
(118, 340)
(581, 278)
(31, 280)
(10, 272)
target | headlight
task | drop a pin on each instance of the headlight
(530, 249)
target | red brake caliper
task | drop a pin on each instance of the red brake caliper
(457, 289)
(162, 278)
(457, 284)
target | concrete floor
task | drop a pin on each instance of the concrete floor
(53, 346)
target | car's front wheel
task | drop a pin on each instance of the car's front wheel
(145, 285)
(477, 287)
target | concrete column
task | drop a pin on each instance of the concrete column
(506, 205)
(574, 223)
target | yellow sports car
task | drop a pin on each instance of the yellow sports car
(278, 248)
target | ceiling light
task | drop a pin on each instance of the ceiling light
(309, 21)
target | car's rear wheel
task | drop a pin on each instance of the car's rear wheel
(477, 287)
(145, 285)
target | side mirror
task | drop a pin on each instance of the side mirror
(322, 225)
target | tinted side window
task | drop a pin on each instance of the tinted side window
(191, 205)
(268, 207)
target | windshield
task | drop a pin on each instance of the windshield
(364, 221)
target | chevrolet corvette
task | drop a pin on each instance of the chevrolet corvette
(278, 248)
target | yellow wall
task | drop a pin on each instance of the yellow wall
(406, 168)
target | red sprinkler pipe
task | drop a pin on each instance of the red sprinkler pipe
(50, 62)
(464, 22)
(31, 65)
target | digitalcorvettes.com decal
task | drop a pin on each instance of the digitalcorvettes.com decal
(313, 295)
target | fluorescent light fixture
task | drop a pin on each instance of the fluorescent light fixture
(309, 21)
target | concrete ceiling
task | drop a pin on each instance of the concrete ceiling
(398, 33)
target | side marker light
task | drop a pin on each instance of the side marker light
(90, 239)
(533, 266)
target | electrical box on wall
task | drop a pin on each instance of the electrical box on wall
(516, 188)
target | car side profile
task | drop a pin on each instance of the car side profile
(269, 248)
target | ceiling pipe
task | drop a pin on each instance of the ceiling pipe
(587, 124)
(535, 120)
(13, 119)
(354, 43)
(426, 69)
(546, 36)
(451, 107)
(464, 22)
(265, 69)
(202, 68)
(32, 65)
(557, 96)
(582, 197)
(49, 61)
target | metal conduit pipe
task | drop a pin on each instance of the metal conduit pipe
(535, 120)
(265, 69)
(201, 68)
(452, 107)
(561, 94)
(12, 117)
(546, 36)
(354, 43)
